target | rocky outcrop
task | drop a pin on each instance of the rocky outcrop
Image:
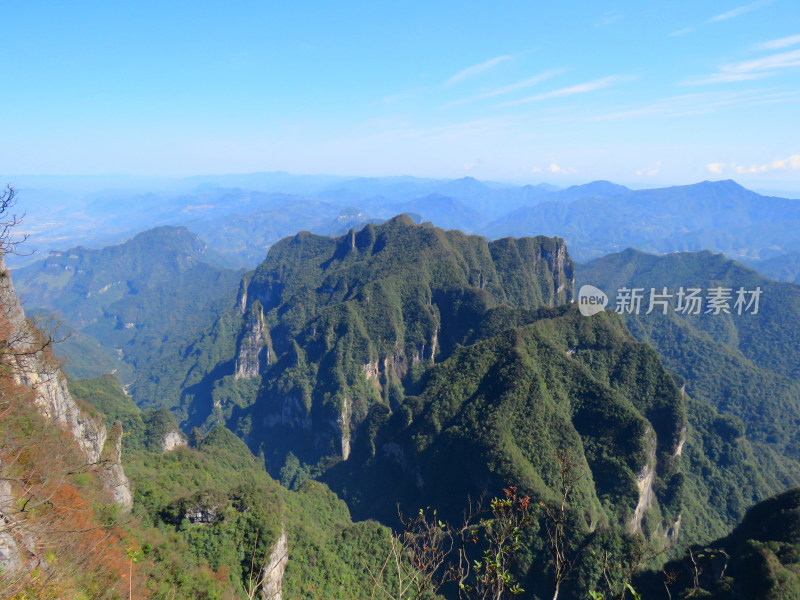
(372, 372)
(171, 440)
(673, 533)
(113, 473)
(205, 515)
(35, 369)
(56, 403)
(17, 544)
(563, 272)
(254, 346)
(434, 345)
(644, 483)
(10, 558)
(203, 508)
(241, 300)
(343, 423)
(272, 575)
(681, 441)
(39, 372)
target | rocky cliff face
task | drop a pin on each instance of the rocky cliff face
(254, 346)
(114, 474)
(171, 440)
(36, 370)
(332, 327)
(10, 558)
(272, 576)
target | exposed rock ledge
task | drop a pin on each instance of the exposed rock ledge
(272, 576)
(114, 474)
(171, 440)
(38, 372)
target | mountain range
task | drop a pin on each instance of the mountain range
(397, 365)
(122, 307)
(405, 363)
(242, 216)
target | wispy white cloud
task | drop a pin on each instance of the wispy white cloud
(716, 168)
(553, 168)
(525, 83)
(519, 85)
(749, 69)
(773, 61)
(651, 171)
(738, 11)
(701, 103)
(556, 170)
(477, 69)
(680, 32)
(790, 163)
(780, 43)
(581, 88)
(608, 18)
(723, 78)
(401, 96)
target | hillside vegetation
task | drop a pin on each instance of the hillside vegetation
(745, 365)
(759, 560)
(127, 305)
(406, 363)
(402, 366)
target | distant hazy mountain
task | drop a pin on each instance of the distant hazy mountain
(242, 216)
(248, 233)
(358, 189)
(352, 218)
(722, 216)
(444, 211)
(785, 267)
(595, 189)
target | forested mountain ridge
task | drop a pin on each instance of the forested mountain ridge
(406, 363)
(651, 460)
(126, 305)
(759, 560)
(199, 521)
(326, 327)
(744, 364)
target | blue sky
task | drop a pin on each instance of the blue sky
(641, 93)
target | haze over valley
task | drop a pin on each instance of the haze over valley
(240, 217)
